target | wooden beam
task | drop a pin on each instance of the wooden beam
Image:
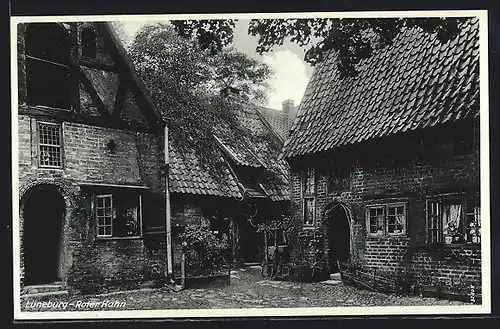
(41, 112)
(121, 94)
(93, 93)
(99, 66)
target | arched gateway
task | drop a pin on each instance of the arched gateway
(336, 221)
(42, 213)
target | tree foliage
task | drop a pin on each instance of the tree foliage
(352, 39)
(212, 35)
(185, 82)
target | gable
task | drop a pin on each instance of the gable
(258, 157)
(415, 83)
(87, 74)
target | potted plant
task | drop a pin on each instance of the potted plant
(475, 232)
(452, 233)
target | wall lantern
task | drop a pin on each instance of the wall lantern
(111, 145)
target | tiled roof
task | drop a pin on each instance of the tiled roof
(186, 175)
(257, 152)
(417, 82)
(278, 120)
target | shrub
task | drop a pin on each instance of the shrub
(205, 252)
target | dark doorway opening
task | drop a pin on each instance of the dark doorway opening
(249, 239)
(339, 236)
(43, 214)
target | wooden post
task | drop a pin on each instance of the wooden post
(183, 270)
(266, 255)
(168, 228)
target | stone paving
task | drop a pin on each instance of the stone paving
(247, 290)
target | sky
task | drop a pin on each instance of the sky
(291, 72)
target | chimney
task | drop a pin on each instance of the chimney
(230, 92)
(288, 107)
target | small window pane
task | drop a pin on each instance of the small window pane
(49, 136)
(309, 212)
(395, 220)
(451, 219)
(309, 181)
(376, 220)
(473, 222)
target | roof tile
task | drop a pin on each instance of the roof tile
(411, 84)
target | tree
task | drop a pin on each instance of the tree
(185, 82)
(352, 39)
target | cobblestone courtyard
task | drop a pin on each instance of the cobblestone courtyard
(247, 290)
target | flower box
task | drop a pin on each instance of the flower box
(453, 294)
(217, 280)
(429, 291)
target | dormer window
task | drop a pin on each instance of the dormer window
(47, 65)
(89, 48)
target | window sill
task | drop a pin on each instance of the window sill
(107, 238)
(51, 168)
(388, 237)
(448, 245)
(48, 108)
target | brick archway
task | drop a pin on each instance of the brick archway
(43, 211)
(337, 225)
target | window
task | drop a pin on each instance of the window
(88, 43)
(453, 219)
(104, 215)
(386, 219)
(47, 65)
(308, 196)
(118, 215)
(50, 145)
(339, 180)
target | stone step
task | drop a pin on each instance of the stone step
(45, 294)
(331, 282)
(43, 288)
(335, 276)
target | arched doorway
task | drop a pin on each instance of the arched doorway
(336, 219)
(43, 210)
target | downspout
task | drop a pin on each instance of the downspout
(168, 226)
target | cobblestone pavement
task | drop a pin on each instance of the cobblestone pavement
(247, 290)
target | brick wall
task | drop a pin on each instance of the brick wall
(376, 179)
(87, 159)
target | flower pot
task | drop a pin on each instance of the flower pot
(475, 239)
(448, 239)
